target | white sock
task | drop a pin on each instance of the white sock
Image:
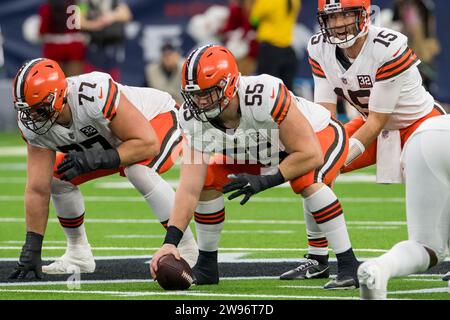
(317, 242)
(325, 209)
(69, 205)
(157, 192)
(405, 258)
(209, 222)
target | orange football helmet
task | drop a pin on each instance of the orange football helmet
(39, 91)
(360, 9)
(209, 81)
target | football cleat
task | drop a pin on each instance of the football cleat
(446, 277)
(342, 282)
(308, 269)
(373, 281)
(188, 250)
(206, 270)
(75, 258)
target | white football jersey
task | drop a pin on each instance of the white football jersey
(384, 58)
(93, 99)
(263, 102)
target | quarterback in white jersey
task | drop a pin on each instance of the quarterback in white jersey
(81, 128)
(374, 70)
(426, 161)
(237, 128)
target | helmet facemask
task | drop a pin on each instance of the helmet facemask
(351, 32)
(39, 117)
(206, 104)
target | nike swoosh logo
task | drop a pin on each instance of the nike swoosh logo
(310, 275)
(101, 93)
(273, 94)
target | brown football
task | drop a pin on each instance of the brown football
(174, 274)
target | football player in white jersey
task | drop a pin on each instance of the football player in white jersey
(81, 128)
(374, 70)
(426, 162)
(237, 128)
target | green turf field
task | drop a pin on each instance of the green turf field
(270, 227)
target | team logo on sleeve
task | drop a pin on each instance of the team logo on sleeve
(365, 82)
(89, 131)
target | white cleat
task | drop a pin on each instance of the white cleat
(188, 250)
(76, 258)
(372, 281)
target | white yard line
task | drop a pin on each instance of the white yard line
(150, 236)
(178, 293)
(13, 151)
(13, 180)
(420, 291)
(231, 221)
(46, 241)
(156, 248)
(19, 166)
(87, 282)
(351, 178)
(293, 199)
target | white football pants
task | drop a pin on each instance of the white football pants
(426, 162)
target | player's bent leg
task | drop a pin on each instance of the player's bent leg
(405, 258)
(428, 217)
(315, 266)
(327, 212)
(209, 222)
(69, 206)
(160, 197)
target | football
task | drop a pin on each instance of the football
(174, 274)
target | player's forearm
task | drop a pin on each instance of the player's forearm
(368, 133)
(183, 209)
(299, 163)
(36, 208)
(135, 150)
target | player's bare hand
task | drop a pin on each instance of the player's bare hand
(164, 250)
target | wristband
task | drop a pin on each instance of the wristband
(110, 159)
(355, 149)
(173, 236)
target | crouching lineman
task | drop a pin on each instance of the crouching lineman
(426, 162)
(250, 114)
(374, 70)
(81, 128)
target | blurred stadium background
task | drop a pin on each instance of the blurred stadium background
(186, 24)
(270, 227)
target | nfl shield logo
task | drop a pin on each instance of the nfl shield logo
(344, 81)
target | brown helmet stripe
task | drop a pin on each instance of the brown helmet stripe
(192, 64)
(19, 85)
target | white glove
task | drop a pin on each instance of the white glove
(355, 149)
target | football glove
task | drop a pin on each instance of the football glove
(30, 258)
(76, 163)
(249, 184)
